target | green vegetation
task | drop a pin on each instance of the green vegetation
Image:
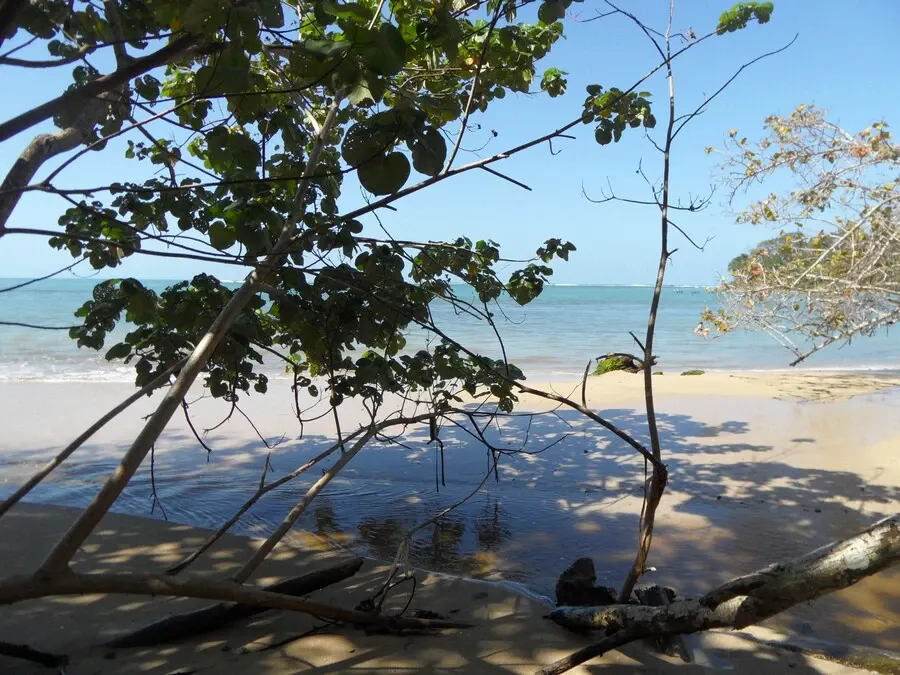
(833, 271)
(693, 372)
(613, 363)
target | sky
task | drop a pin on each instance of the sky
(844, 60)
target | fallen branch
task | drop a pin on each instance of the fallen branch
(26, 653)
(187, 624)
(741, 602)
(20, 588)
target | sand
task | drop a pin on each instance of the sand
(763, 467)
(510, 635)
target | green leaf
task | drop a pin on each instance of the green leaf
(270, 13)
(385, 176)
(198, 13)
(221, 236)
(119, 351)
(367, 92)
(603, 135)
(430, 152)
(550, 11)
(324, 48)
(366, 140)
(554, 82)
(148, 87)
(388, 56)
(348, 10)
(740, 15)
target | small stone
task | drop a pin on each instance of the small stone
(818, 510)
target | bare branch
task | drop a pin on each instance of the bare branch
(731, 79)
(77, 55)
(23, 284)
(18, 589)
(468, 110)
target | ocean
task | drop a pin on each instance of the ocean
(553, 337)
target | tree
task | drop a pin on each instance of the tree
(364, 88)
(833, 271)
(356, 88)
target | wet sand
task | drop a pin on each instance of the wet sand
(763, 467)
(510, 636)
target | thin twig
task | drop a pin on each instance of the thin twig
(23, 284)
(468, 109)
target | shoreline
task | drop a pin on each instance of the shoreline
(107, 374)
(512, 636)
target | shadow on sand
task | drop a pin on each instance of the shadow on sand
(732, 507)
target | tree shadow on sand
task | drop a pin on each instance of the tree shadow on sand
(732, 506)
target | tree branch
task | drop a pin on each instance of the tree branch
(468, 111)
(82, 95)
(260, 555)
(20, 588)
(65, 548)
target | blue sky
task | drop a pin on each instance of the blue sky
(845, 60)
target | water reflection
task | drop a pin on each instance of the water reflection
(736, 501)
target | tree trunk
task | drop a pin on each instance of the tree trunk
(21, 588)
(26, 653)
(187, 624)
(58, 559)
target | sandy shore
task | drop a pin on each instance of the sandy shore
(510, 636)
(762, 467)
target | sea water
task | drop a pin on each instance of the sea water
(553, 337)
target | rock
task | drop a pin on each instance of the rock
(609, 363)
(576, 587)
(671, 645)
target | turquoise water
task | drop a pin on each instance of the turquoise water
(554, 336)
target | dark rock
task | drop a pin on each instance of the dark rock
(576, 587)
(671, 645)
(427, 614)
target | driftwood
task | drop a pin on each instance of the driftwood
(741, 602)
(659, 596)
(28, 654)
(187, 624)
(20, 588)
